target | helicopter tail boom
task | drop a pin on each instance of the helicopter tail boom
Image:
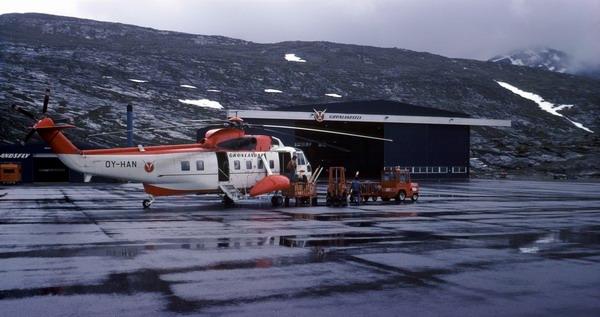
(53, 136)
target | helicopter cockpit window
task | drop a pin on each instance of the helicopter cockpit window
(301, 158)
(244, 143)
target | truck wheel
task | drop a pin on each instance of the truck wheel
(415, 197)
(400, 196)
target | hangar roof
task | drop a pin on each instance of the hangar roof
(381, 111)
(378, 107)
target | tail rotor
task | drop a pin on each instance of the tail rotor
(36, 119)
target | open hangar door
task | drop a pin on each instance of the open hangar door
(354, 153)
(49, 169)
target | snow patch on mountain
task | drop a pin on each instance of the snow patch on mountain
(273, 91)
(294, 58)
(202, 103)
(188, 86)
(544, 105)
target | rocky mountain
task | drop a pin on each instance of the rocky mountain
(548, 59)
(94, 69)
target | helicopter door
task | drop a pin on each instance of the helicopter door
(223, 165)
(284, 158)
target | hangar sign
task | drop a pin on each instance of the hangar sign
(14, 155)
(320, 116)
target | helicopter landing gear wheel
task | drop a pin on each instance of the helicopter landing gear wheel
(148, 202)
(276, 201)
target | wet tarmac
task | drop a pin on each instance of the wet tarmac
(475, 248)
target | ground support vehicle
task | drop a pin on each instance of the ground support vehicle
(10, 173)
(337, 193)
(370, 190)
(396, 183)
(304, 193)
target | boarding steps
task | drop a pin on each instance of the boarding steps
(231, 191)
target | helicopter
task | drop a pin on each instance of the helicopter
(227, 161)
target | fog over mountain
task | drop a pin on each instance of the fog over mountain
(95, 68)
(549, 59)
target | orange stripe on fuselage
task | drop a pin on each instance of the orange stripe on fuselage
(160, 191)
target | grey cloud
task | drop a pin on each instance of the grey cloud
(455, 28)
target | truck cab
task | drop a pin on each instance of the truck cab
(396, 183)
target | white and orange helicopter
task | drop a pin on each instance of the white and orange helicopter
(226, 161)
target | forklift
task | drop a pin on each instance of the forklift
(337, 194)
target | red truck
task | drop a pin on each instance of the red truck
(395, 183)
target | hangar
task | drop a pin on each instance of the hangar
(432, 143)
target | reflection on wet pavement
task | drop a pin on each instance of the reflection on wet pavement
(465, 248)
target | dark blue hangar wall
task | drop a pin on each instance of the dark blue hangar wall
(430, 151)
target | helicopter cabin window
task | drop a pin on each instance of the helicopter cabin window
(236, 164)
(185, 165)
(199, 165)
(260, 164)
(248, 165)
(271, 164)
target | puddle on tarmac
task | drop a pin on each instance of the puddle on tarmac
(532, 243)
(342, 216)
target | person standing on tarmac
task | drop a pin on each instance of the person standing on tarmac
(355, 191)
(291, 166)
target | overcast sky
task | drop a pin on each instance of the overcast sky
(477, 29)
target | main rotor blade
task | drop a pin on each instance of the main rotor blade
(46, 99)
(325, 131)
(140, 130)
(217, 122)
(23, 111)
(310, 140)
(28, 136)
